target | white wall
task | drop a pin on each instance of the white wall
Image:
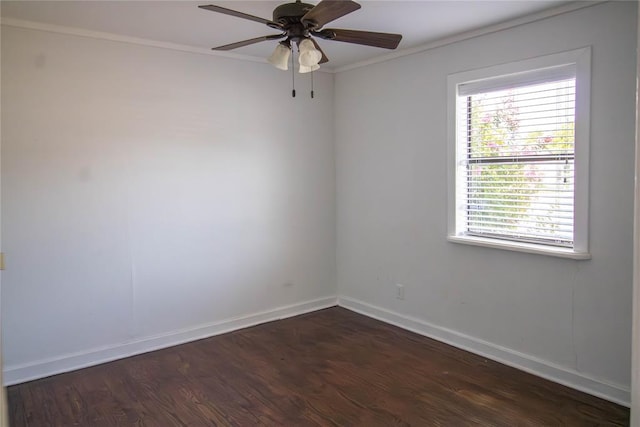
(565, 319)
(635, 361)
(151, 194)
(4, 412)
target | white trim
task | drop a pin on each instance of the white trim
(635, 339)
(582, 147)
(43, 368)
(80, 32)
(525, 362)
(26, 372)
(581, 58)
(514, 80)
(530, 248)
(566, 8)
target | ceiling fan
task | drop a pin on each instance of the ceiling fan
(299, 23)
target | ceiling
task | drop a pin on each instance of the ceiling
(182, 22)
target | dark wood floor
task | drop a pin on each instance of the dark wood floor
(328, 368)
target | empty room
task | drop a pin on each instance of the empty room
(319, 213)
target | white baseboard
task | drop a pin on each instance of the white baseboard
(542, 368)
(70, 362)
(26, 372)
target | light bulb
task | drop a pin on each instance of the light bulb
(304, 69)
(280, 57)
(309, 55)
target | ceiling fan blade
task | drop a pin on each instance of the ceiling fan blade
(368, 38)
(324, 57)
(250, 41)
(224, 10)
(327, 11)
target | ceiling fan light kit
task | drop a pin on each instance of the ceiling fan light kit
(304, 69)
(299, 23)
(309, 55)
(280, 56)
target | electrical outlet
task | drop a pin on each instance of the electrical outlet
(399, 291)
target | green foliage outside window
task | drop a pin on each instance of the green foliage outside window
(510, 180)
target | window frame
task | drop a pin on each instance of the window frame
(581, 59)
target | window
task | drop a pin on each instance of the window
(519, 155)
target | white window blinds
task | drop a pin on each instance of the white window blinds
(516, 152)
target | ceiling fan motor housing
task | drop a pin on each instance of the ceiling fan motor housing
(289, 14)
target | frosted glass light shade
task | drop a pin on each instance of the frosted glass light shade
(304, 69)
(280, 57)
(309, 55)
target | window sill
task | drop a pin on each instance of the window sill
(530, 248)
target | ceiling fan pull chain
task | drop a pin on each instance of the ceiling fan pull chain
(293, 75)
(298, 22)
(312, 85)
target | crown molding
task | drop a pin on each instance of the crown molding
(81, 32)
(560, 10)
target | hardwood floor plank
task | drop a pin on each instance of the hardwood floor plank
(328, 368)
